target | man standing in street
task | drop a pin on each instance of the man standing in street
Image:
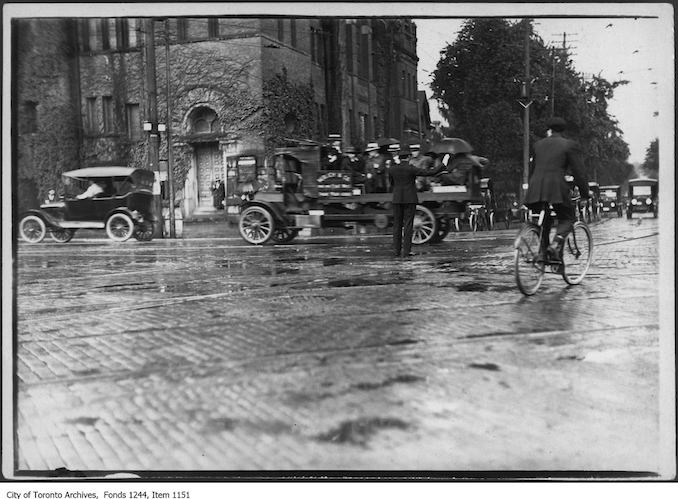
(554, 156)
(403, 176)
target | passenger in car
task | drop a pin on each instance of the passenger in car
(94, 190)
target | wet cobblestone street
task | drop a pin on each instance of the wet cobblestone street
(327, 354)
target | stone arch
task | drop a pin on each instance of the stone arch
(201, 118)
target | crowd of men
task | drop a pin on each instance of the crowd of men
(371, 167)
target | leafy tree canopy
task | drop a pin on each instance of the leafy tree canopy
(651, 164)
(478, 82)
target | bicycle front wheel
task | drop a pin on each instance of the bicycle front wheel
(577, 253)
(529, 267)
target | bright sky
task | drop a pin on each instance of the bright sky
(615, 48)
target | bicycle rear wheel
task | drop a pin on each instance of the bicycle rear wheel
(529, 268)
(577, 253)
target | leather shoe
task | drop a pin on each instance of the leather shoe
(408, 255)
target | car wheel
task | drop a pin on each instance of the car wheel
(425, 225)
(284, 235)
(256, 225)
(144, 232)
(119, 227)
(32, 229)
(62, 235)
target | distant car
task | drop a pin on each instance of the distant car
(611, 199)
(124, 208)
(642, 196)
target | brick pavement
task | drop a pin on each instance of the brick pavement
(332, 356)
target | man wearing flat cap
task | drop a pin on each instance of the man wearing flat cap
(554, 157)
(403, 175)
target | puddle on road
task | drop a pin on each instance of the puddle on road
(489, 366)
(83, 420)
(275, 427)
(329, 262)
(472, 286)
(359, 431)
(402, 378)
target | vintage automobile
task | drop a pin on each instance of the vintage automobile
(642, 196)
(304, 195)
(124, 208)
(611, 200)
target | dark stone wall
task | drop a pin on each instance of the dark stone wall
(46, 130)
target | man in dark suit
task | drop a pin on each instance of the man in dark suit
(554, 156)
(403, 176)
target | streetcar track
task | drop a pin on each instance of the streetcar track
(281, 356)
(264, 296)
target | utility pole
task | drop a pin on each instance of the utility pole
(151, 112)
(170, 154)
(525, 95)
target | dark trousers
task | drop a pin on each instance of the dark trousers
(566, 218)
(403, 223)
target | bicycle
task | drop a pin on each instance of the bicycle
(531, 263)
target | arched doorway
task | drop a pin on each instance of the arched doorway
(203, 123)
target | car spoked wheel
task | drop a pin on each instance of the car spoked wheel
(144, 232)
(32, 229)
(119, 227)
(444, 226)
(256, 225)
(62, 235)
(284, 235)
(425, 225)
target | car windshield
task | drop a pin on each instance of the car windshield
(610, 193)
(642, 190)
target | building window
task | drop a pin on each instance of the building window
(364, 56)
(323, 120)
(213, 28)
(30, 117)
(92, 34)
(349, 49)
(375, 126)
(402, 84)
(107, 113)
(362, 128)
(105, 35)
(122, 33)
(204, 120)
(314, 57)
(91, 116)
(182, 30)
(281, 30)
(84, 35)
(320, 47)
(133, 122)
(293, 32)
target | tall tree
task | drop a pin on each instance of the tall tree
(650, 166)
(478, 83)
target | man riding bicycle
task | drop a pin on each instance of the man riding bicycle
(553, 157)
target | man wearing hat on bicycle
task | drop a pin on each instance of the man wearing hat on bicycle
(554, 156)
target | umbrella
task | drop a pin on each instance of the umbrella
(384, 141)
(450, 145)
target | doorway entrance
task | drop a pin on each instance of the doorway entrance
(210, 169)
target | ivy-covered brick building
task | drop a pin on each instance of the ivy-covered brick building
(227, 88)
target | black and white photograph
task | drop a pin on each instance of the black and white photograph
(336, 242)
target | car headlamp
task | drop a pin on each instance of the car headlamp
(648, 201)
(634, 201)
(612, 205)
